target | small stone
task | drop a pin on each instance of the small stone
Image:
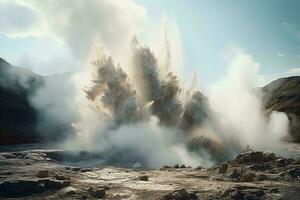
(61, 177)
(144, 178)
(43, 174)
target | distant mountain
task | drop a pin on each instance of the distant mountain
(20, 122)
(17, 117)
(284, 95)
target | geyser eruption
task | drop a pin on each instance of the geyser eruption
(152, 118)
(160, 90)
(113, 90)
(147, 111)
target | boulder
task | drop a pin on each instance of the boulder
(61, 177)
(283, 162)
(20, 188)
(250, 157)
(144, 178)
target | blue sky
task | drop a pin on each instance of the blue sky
(269, 30)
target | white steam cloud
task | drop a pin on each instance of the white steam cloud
(138, 111)
(239, 109)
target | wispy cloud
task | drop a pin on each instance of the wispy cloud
(280, 55)
(295, 70)
(291, 28)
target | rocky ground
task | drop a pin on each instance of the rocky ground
(40, 174)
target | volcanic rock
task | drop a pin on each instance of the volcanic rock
(144, 178)
(43, 174)
(223, 168)
(250, 157)
(283, 95)
(247, 176)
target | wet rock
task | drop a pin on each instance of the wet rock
(97, 193)
(181, 194)
(144, 178)
(223, 168)
(26, 187)
(247, 176)
(20, 188)
(51, 184)
(43, 174)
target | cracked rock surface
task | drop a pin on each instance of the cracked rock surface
(40, 174)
